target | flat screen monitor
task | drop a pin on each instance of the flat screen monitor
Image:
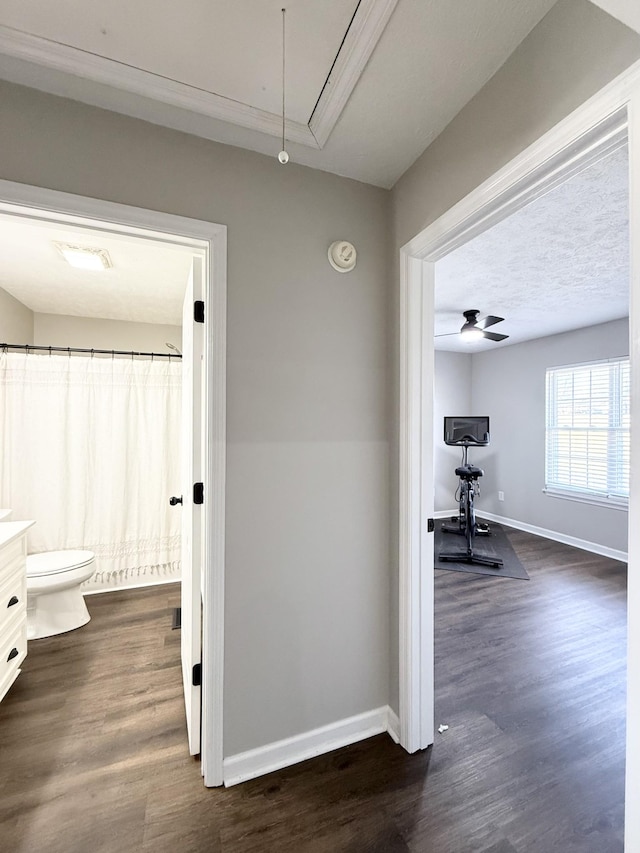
(466, 430)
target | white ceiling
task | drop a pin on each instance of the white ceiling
(560, 263)
(146, 283)
(370, 83)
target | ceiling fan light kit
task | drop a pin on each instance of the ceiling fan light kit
(476, 330)
(470, 333)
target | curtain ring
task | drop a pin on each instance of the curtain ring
(92, 353)
(49, 352)
(69, 351)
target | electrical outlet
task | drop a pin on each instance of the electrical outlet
(500, 496)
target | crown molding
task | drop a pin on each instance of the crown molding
(368, 24)
(98, 69)
(364, 31)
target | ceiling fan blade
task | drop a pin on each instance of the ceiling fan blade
(446, 335)
(489, 320)
(493, 336)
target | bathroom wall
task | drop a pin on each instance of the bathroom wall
(88, 332)
(16, 320)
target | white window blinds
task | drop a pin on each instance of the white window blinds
(587, 436)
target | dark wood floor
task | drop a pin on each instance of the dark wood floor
(530, 681)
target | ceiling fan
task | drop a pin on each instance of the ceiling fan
(475, 330)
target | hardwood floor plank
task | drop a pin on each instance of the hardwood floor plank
(530, 679)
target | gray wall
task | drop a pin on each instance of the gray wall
(574, 51)
(307, 583)
(508, 383)
(60, 330)
(451, 396)
(16, 320)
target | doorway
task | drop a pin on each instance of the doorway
(583, 138)
(206, 241)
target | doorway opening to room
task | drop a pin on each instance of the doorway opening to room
(549, 369)
(598, 128)
(550, 386)
(147, 340)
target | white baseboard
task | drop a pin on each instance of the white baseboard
(100, 590)
(393, 725)
(283, 753)
(593, 547)
(446, 513)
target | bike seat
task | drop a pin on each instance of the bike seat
(469, 472)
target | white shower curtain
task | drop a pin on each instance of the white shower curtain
(90, 449)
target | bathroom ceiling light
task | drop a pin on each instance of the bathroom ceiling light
(85, 257)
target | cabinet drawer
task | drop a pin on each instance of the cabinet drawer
(13, 650)
(13, 597)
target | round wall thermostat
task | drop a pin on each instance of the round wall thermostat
(342, 256)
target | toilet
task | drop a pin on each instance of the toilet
(55, 603)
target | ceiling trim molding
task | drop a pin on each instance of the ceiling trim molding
(368, 24)
(364, 32)
(80, 63)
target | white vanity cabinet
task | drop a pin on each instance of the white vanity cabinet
(13, 600)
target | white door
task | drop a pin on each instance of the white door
(192, 511)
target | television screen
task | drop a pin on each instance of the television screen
(466, 430)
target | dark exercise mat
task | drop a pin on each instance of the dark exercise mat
(494, 545)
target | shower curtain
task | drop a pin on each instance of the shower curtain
(90, 449)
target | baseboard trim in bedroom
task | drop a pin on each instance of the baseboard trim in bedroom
(592, 547)
(283, 753)
(584, 544)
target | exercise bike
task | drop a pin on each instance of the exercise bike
(477, 435)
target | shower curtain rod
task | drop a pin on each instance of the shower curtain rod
(69, 350)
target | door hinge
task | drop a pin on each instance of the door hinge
(198, 493)
(198, 311)
(197, 675)
(431, 526)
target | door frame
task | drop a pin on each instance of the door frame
(210, 240)
(600, 125)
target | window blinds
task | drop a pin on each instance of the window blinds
(587, 431)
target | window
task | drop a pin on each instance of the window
(587, 437)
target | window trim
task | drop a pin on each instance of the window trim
(579, 495)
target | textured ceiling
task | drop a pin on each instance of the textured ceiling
(368, 90)
(560, 263)
(146, 283)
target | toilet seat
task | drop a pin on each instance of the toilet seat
(54, 562)
(55, 602)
